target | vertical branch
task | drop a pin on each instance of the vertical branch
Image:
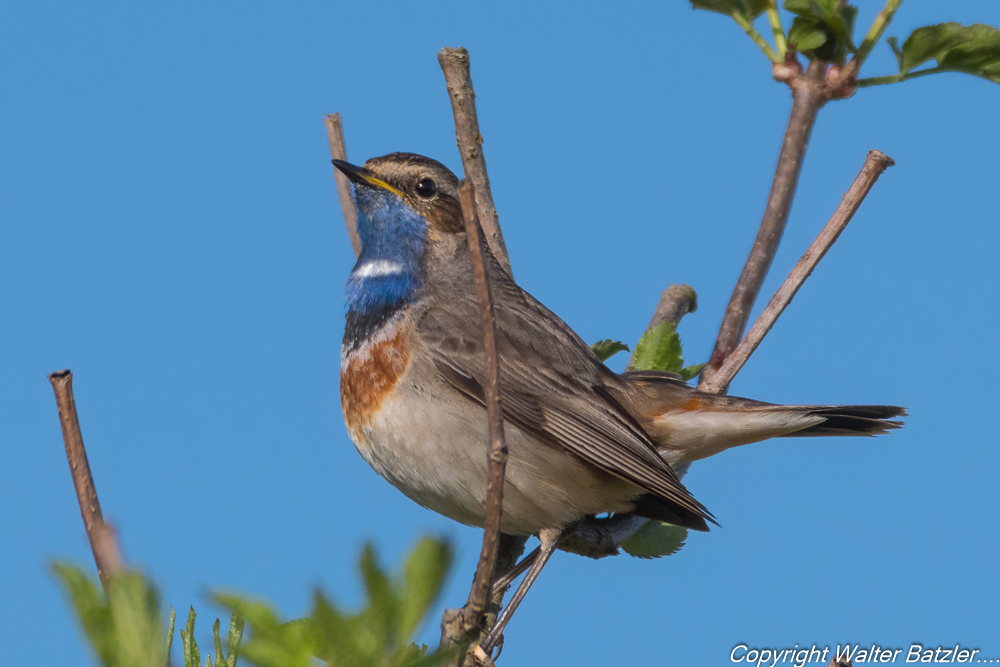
(102, 539)
(479, 595)
(458, 77)
(470, 619)
(338, 151)
(874, 166)
(809, 94)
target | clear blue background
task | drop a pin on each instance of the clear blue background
(170, 231)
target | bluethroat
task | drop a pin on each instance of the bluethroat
(582, 439)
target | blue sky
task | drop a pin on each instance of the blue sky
(171, 233)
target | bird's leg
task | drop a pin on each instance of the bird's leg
(549, 538)
(508, 577)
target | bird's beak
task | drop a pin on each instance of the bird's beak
(361, 176)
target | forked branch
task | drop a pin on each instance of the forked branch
(876, 163)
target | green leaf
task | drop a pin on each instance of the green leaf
(135, 609)
(659, 349)
(689, 373)
(170, 635)
(124, 627)
(340, 640)
(423, 577)
(236, 623)
(749, 9)
(383, 604)
(973, 49)
(607, 348)
(192, 657)
(806, 34)
(835, 20)
(219, 655)
(274, 644)
(92, 610)
(656, 539)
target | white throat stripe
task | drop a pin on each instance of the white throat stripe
(378, 267)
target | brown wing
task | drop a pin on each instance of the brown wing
(552, 386)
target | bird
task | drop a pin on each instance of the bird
(583, 440)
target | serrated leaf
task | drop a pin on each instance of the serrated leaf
(749, 9)
(689, 373)
(659, 349)
(973, 49)
(655, 540)
(607, 348)
(423, 577)
(806, 34)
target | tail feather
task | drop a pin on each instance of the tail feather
(850, 420)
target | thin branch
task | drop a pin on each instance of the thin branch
(102, 538)
(757, 38)
(779, 31)
(849, 204)
(338, 151)
(471, 616)
(809, 94)
(458, 77)
(875, 32)
(896, 78)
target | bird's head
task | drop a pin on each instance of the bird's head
(402, 194)
(404, 202)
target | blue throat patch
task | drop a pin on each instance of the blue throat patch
(387, 274)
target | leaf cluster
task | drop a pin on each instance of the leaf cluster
(823, 29)
(379, 634)
(125, 628)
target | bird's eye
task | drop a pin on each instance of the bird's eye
(427, 188)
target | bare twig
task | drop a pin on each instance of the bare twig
(338, 151)
(809, 94)
(470, 618)
(511, 548)
(849, 204)
(102, 538)
(458, 77)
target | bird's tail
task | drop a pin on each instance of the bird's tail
(688, 425)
